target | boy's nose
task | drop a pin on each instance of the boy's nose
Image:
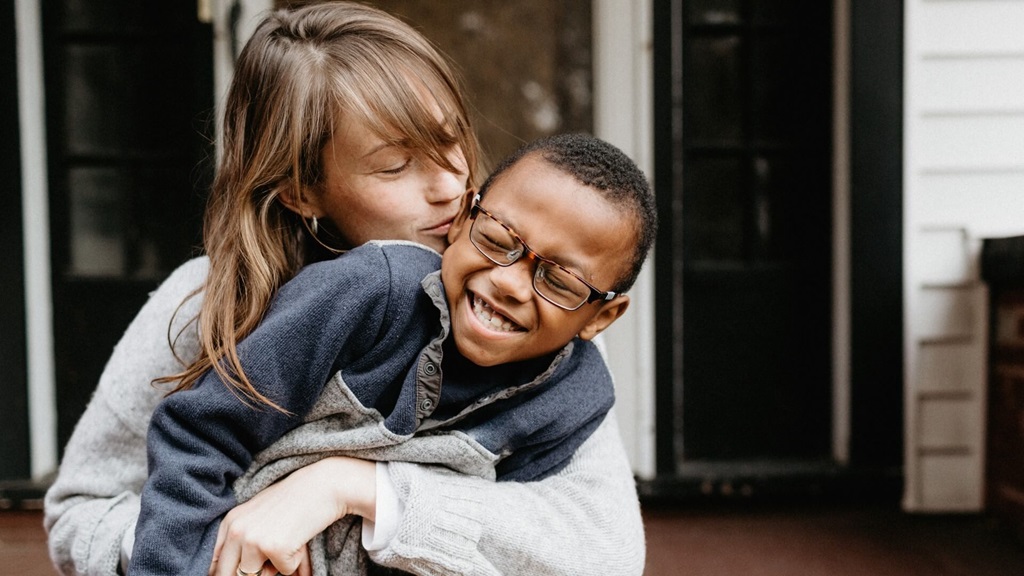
(514, 281)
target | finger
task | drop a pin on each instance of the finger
(265, 570)
(228, 560)
(286, 563)
(305, 567)
(261, 570)
(221, 530)
(251, 561)
(296, 564)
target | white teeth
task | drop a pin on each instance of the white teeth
(490, 318)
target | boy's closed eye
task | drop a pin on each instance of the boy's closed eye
(555, 279)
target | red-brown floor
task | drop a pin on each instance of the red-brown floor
(827, 541)
(23, 544)
(802, 541)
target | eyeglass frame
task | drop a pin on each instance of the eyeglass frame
(531, 254)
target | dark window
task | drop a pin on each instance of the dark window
(743, 107)
(129, 115)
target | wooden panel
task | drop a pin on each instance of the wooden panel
(943, 257)
(987, 204)
(965, 169)
(951, 423)
(969, 26)
(953, 84)
(950, 367)
(944, 313)
(977, 142)
(950, 482)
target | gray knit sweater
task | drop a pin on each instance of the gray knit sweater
(584, 520)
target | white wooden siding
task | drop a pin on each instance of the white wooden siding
(963, 181)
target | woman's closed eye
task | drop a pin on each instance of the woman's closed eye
(397, 168)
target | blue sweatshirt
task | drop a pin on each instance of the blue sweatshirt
(356, 350)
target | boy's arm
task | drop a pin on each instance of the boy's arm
(201, 440)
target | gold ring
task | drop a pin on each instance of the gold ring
(240, 572)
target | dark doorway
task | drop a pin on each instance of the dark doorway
(14, 442)
(876, 246)
(129, 96)
(743, 105)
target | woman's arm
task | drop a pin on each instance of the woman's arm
(91, 508)
(584, 520)
(278, 522)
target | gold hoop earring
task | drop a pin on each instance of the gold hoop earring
(313, 228)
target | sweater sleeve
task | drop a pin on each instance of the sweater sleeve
(584, 520)
(202, 439)
(94, 499)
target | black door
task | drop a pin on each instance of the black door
(743, 105)
(129, 110)
(14, 443)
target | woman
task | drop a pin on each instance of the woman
(342, 125)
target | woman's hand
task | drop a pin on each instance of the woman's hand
(272, 528)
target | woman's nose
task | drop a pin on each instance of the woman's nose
(445, 186)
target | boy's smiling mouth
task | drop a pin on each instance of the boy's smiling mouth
(490, 318)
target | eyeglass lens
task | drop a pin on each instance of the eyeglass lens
(552, 281)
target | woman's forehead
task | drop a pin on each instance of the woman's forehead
(417, 126)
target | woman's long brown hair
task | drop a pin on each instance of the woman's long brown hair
(299, 72)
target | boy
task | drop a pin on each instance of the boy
(523, 386)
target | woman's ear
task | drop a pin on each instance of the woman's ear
(297, 202)
(610, 312)
(463, 216)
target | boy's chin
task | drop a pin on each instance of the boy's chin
(484, 358)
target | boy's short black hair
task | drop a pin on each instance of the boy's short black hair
(603, 167)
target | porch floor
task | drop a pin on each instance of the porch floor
(732, 541)
(827, 540)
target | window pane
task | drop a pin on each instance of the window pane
(768, 209)
(125, 99)
(123, 16)
(713, 110)
(775, 90)
(714, 11)
(97, 222)
(790, 13)
(714, 209)
(126, 222)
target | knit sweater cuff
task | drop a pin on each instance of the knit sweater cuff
(99, 546)
(440, 529)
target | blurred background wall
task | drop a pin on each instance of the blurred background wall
(526, 65)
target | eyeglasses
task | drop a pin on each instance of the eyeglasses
(554, 282)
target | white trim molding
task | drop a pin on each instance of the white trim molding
(42, 404)
(623, 112)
